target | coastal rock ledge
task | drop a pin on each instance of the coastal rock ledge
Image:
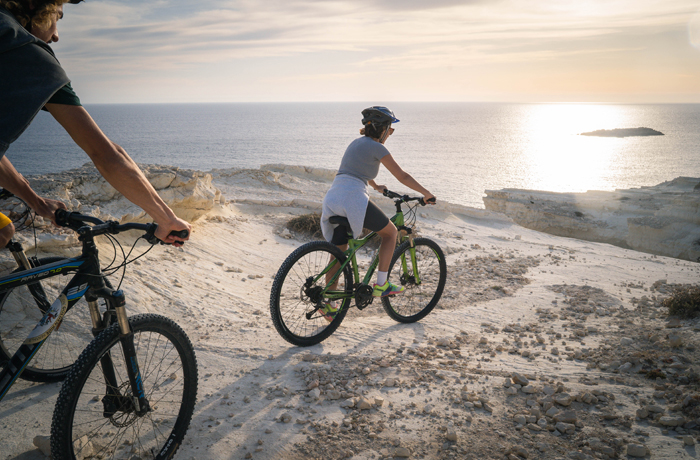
(663, 219)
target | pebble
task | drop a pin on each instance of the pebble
(519, 451)
(519, 379)
(563, 399)
(672, 420)
(567, 416)
(43, 443)
(451, 435)
(675, 340)
(365, 403)
(565, 428)
(636, 450)
(402, 452)
(688, 440)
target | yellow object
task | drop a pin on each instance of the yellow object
(4, 221)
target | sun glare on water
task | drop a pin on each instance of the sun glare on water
(557, 158)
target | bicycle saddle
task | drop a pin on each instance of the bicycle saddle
(339, 220)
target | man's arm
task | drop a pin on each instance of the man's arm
(117, 167)
(18, 185)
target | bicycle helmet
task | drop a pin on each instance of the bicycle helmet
(378, 115)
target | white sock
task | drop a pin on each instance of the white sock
(381, 278)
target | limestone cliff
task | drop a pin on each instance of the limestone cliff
(663, 219)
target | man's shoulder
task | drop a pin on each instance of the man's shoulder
(13, 35)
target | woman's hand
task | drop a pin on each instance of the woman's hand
(429, 196)
(379, 188)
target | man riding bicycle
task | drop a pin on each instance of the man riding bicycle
(32, 79)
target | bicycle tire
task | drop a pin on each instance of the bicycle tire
(419, 299)
(289, 304)
(19, 313)
(81, 428)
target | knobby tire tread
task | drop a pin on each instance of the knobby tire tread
(61, 427)
(395, 272)
(278, 283)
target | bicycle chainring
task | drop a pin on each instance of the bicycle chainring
(363, 296)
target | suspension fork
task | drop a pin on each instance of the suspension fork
(117, 302)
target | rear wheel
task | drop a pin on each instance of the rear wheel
(21, 310)
(296, 294)
(423, 276)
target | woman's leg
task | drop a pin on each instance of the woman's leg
(386, 249)
(340, 239)
(334, 269)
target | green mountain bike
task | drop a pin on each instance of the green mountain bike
(303, 283)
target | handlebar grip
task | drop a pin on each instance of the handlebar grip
(180, 234)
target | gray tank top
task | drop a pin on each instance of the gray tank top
(362, 159)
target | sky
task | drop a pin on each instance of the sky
(165, 51)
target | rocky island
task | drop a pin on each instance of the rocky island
(624, 132)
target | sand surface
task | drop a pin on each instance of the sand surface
(579, 322)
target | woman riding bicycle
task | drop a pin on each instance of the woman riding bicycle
(348, 196)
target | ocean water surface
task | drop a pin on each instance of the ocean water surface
(456, 150)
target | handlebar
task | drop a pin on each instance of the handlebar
(405, 198)
(77, 222)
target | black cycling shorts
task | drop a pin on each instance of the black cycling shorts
(375, 220)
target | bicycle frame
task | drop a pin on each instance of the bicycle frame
(88, 281)
(354, 245)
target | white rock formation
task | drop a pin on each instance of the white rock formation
(663, 219)
(189, 193)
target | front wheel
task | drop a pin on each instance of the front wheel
(97, 419)
(297, 294)
(422, 270)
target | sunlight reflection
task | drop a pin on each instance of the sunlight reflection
(559, 159)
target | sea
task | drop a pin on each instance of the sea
(456, 150)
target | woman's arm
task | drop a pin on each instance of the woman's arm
(13, 181)
(405, 178)
(117, 167)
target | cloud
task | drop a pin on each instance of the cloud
(118, 39)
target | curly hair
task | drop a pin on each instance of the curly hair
(39, 17)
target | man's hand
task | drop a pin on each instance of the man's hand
(176, 224)
(46, 208)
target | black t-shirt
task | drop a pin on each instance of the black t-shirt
(65, 96)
